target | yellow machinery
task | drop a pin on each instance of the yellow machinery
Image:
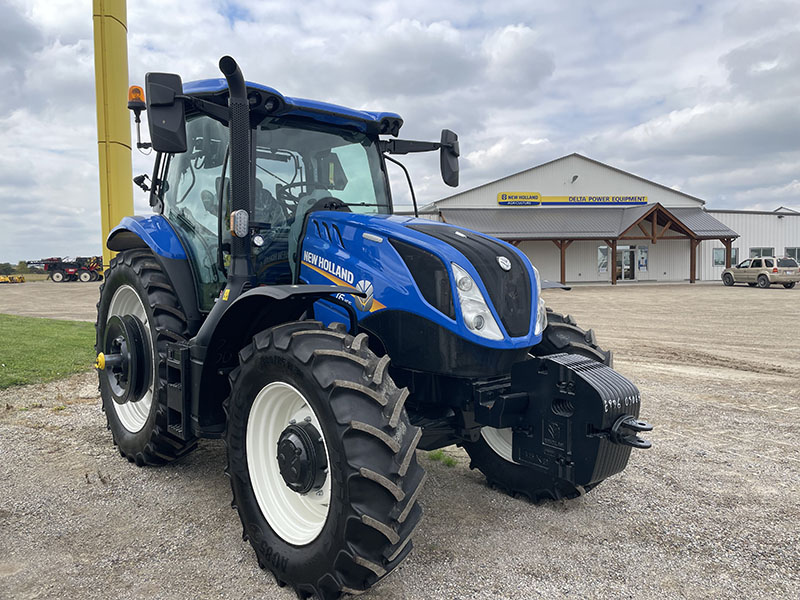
(113, 121)
(12, 278)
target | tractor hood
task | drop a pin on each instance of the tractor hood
(409, 267)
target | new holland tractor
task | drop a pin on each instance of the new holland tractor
(273, 300)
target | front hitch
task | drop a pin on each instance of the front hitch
(625, 429)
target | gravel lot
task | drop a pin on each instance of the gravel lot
(710, 512)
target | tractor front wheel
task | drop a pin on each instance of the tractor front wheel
(58, 276)
(137, 297)
(322, 460)
(492, 453)
(84, 275)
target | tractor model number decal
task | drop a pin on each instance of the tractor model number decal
(328, 266)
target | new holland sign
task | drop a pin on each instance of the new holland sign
(535, 199)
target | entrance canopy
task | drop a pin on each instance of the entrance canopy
(563, 226)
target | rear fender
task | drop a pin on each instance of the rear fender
(155, 232)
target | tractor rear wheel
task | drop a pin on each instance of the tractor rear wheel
(137, 291)
(491, 454)
(322, 459)
(84, 275)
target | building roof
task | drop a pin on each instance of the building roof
(702, 223)
(587, 223)
(581, 156)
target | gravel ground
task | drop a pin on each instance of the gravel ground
(710, 512)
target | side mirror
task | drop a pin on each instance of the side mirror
(166, 115)
(449, 157)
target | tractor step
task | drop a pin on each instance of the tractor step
(178, 397)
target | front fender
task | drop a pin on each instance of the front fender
(152, 232)
(156, 234)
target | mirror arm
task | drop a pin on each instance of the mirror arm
(408, 146)
(215, 111)
(408, 177)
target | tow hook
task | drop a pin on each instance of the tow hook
(625, 429)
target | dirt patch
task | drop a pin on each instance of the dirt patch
(709, 512)
(71, 300)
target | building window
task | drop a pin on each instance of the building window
(719, 256)
(759, 252)
(793, 253)
(602, 259)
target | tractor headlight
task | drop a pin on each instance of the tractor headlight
(541, 309)
(477, 316)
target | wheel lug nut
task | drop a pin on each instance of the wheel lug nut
(307, 419)
(292, 421)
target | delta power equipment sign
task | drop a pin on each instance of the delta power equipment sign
(535, 199)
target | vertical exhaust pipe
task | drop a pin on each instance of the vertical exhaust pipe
(240, 269)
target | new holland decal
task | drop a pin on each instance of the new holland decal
(343, 276)
(536, 199)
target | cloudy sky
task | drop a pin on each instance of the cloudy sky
(700, 96)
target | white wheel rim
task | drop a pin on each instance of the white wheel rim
(57, 277)
(296, 518)
(133, 415)
(499, 440)
(85, 277)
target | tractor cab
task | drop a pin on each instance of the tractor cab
(298, 166)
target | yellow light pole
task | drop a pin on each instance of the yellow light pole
(113, 121)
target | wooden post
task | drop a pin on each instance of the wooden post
(728, 243)
(612, 259)
(654, 228)
(562, 246)
(693, 244)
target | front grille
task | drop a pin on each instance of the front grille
(509, 291)
(429, 274)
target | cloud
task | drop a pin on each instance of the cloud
(701, 97)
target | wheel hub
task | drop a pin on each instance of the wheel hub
(301, 457)
(125, 363)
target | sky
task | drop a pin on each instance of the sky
(698, 96)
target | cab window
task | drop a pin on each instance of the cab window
(191, 201)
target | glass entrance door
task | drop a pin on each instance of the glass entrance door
(626, 264)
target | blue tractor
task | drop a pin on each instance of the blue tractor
(273, 300)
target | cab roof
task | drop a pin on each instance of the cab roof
(384, 122)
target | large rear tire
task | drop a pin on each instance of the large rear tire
(137, 286)
(491, 454)
(351, 524)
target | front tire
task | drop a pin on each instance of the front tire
(137, 286)
(491, 454)
(727, 279)
(352, 524)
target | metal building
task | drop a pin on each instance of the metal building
(580, 220)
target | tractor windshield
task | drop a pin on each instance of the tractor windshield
(296, 159)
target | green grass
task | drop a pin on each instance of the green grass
(35, 350)
(440, 456)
